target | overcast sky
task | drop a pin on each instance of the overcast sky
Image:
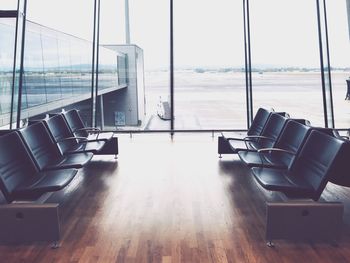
(208, 33)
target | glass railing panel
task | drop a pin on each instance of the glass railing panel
(108, 69)
(51, 65)
(77, 67)
(64, 61)
(122, 70)
(7, 44)
(34, 85)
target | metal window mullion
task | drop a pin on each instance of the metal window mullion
(250, 67)
(247, 60)
(330, 101)
(322, 65)
(20, 82)
(14, 65)
(172, 67)
(97, 57)
(93, 68)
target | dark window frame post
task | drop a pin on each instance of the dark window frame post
(93, 106)
(248, 63)
(172, 67)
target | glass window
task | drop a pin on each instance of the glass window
(339, 49)
(285, 58)
(8, 5)
(138, 103)
(209, 65)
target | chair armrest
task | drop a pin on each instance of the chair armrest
(249, 138)
(336, 134)
(257, 137)
(235, 139)
(71, 138)
(88, 129)
(275, 150)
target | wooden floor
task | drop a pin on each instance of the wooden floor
(171, 201)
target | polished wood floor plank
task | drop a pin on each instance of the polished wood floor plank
(173, 201)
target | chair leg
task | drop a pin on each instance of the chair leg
(55, 245)
(270, 244)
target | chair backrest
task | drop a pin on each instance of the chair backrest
(314, 162)
(16, 164)
(328, 131)
(340, 171)
(40, 143)
(259, 122)
(75, 122)
(292, 137)
(272, 130)
(59, 130)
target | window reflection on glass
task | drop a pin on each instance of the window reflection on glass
(7, 43)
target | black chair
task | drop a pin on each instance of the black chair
(256, 128)
(284, 150)
(45, 151)
(266, 139)
(310, 170)
(78, 128)
(341, 175)
(20, 178)
(67, 142)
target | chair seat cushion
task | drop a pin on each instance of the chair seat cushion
(255, 159)
(281, 180)
(47, 181)
(94, 147)
(77, 160)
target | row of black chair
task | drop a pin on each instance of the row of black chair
(21, 176)
(290, 156)
(68, 126)
(44, 157)
(228, 144)
(309, 171)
